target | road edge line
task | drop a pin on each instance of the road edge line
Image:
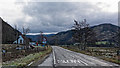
(54, 62)
(30, 63)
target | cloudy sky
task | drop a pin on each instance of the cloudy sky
(55, 16)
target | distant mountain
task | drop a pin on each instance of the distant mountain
(35, 37)
(104, 32)
(61, 38)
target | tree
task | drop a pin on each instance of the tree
(83, 34)
(117, 38)
(40, 37)
(16, 32)
(117, 43)
(25, 30)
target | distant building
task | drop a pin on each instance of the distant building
(22, 40)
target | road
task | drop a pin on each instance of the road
(64, 57)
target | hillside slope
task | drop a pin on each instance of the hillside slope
(104, 32)
(8, 33)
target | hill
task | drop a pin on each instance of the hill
(35, 37)
(104, 32)
(8, 32)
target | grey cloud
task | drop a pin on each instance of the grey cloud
(58, 16)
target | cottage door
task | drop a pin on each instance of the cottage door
(20, 41)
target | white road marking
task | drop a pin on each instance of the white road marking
(83, 62)
(30, 64)
(74, 59)
(54, 60)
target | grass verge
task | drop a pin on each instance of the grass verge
(28, 59)
(90, 54)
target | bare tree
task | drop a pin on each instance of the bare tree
(16, 32)
(117, 43)
(25, 30)
(83, 34)
(40, 37)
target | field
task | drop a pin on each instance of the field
(103, 42)
(22, 55)
(106, 53)
(24, 61)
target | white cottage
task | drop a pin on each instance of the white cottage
(20, 40)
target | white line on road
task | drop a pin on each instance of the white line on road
(54, 60)
(83, 62)
(80, 60)
(30, 64)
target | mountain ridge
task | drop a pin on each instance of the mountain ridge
(104, 32)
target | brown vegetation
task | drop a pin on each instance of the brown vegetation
(13, 53)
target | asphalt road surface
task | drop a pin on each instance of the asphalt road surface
(64, 57)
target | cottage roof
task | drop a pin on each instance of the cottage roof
(24, 37)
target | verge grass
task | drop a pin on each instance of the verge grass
(24, 61)
(96, 53)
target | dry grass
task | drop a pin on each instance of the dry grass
(108, 54)
(29, 58)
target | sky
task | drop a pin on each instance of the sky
(52, 16)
